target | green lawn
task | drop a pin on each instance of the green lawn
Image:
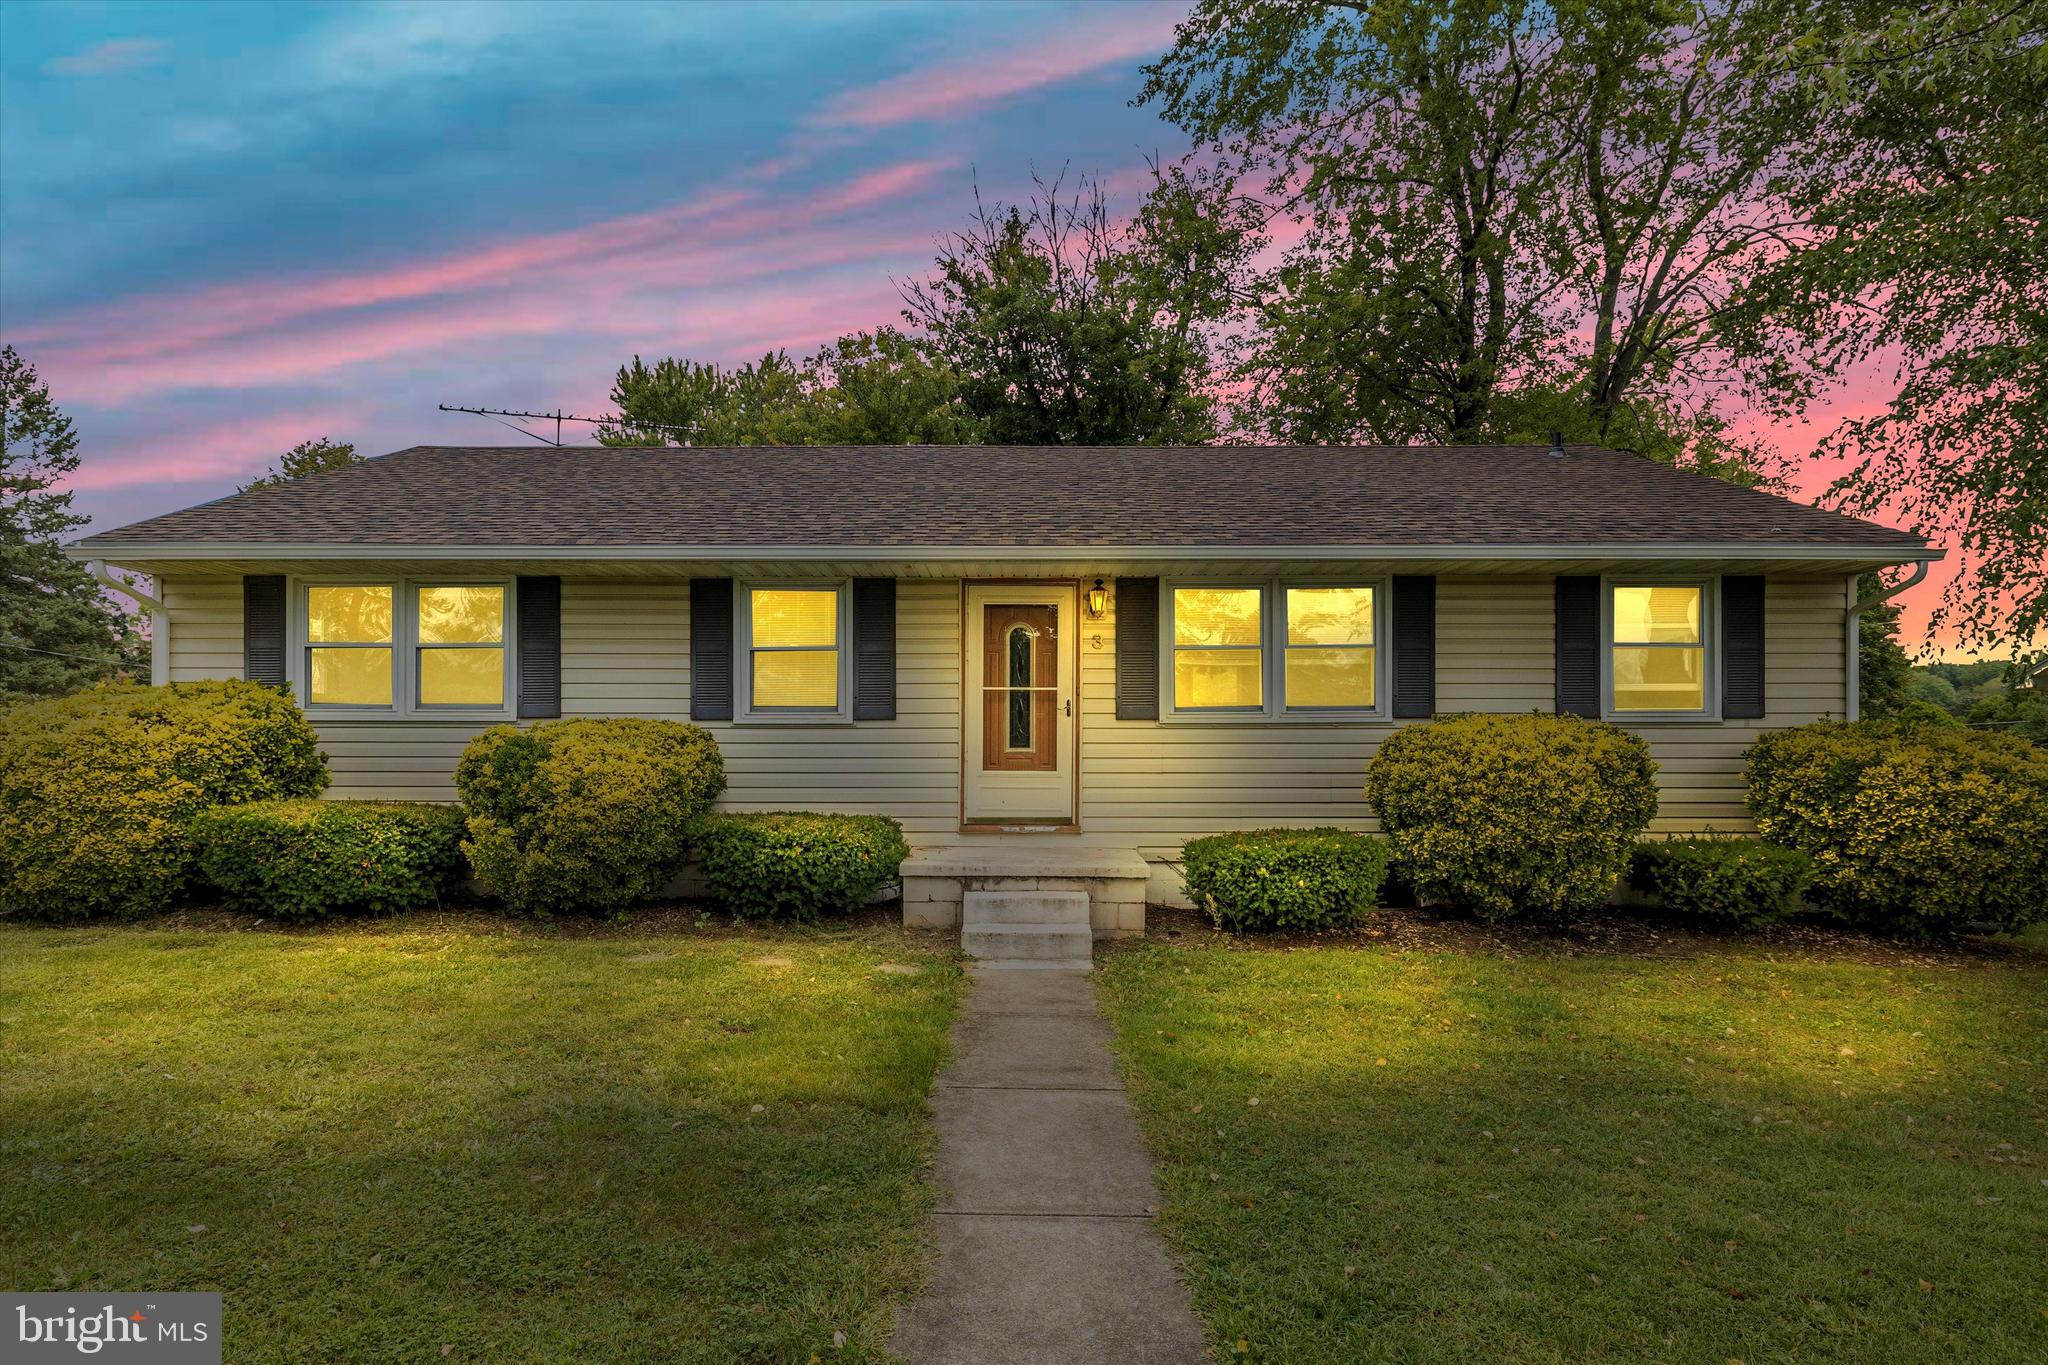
(1752, 1153)
(384, 1141)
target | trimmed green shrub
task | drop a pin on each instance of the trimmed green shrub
(1284, 878)
(799, 864)
(304, 860)
(1911, 829)
(585, 814)
(97, 789)
(1738, 882)
(1509, 814)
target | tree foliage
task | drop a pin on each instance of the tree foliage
(1884, 674)
(58, 630)
(1506, 209)
(1930, 250)
(867, 388)
(1048, 323)
(1068, 327)
(315, 456)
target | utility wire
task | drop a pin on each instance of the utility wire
(60, 654)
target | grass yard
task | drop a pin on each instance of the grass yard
(1712, 1151)
(453, 1138)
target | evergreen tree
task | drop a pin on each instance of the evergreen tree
(316, 456)
(59, 631)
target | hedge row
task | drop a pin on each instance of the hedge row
(118, 800)
(98, 789)
(1899, 827)
(114, 801)
(305, 860)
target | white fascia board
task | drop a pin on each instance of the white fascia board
(119, 552)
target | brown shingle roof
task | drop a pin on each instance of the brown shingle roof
(1004, 496)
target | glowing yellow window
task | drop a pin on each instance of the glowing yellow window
(1658, 651)
(1218, 663)
(349, 645)
(460, 644)
(1329, 660)
(794, 648)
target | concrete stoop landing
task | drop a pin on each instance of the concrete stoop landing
(1025, 904)
(1047, 1250)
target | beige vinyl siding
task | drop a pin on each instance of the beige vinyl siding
(1143, 784)
(1154, 785)
(626, 652)
(206, 627)
(385, 760)
(1806, 678)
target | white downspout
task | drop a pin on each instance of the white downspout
(1854, 630)
(159, 619)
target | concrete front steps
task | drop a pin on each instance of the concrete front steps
(1027, 928)
(1042, 901)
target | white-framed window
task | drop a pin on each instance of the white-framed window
(458, 645)
(1217, 639)
(794, 661)
(403, 646)
(1657, 656)
(1273, 649)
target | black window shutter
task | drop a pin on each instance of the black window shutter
(1742, 647)
(711, 649)
(1578, 646)
(1137, 649)
(263, 628)
(874, 649)
(1415, 645)
(540, 647)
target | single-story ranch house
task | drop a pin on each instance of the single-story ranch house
(1052, 665)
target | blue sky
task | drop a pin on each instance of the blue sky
(224, 228)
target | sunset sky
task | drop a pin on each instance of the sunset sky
(224, 229)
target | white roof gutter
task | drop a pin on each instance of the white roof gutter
(1879, 598)
(97, 568)
(159, 618)
(188, 550)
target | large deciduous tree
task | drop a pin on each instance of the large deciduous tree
(58, 630)
(1048, 323)
(1930, 253)
(867, 388)
(1504, 207)
(1068, 326)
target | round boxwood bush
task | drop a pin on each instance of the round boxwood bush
(1503, 815)
(1738, 882)
(301, 861)
(799, 864)
(1911, 829)
(97, 789)
(584, 814)
(1284, 878)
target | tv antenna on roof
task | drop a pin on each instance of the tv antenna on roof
(557, 417)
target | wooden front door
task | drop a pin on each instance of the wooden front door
(1020, 689)
(1020, 671)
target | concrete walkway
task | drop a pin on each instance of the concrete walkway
(1046, 1246)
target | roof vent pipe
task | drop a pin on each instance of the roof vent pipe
(1557, 445)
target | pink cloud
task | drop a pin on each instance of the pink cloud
(250, 362)
(219, 450)
(601, 278)
(952, 87)
(134, 329)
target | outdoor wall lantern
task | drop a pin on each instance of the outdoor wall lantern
(1098, 601)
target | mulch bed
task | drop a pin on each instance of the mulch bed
(1616, 933)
